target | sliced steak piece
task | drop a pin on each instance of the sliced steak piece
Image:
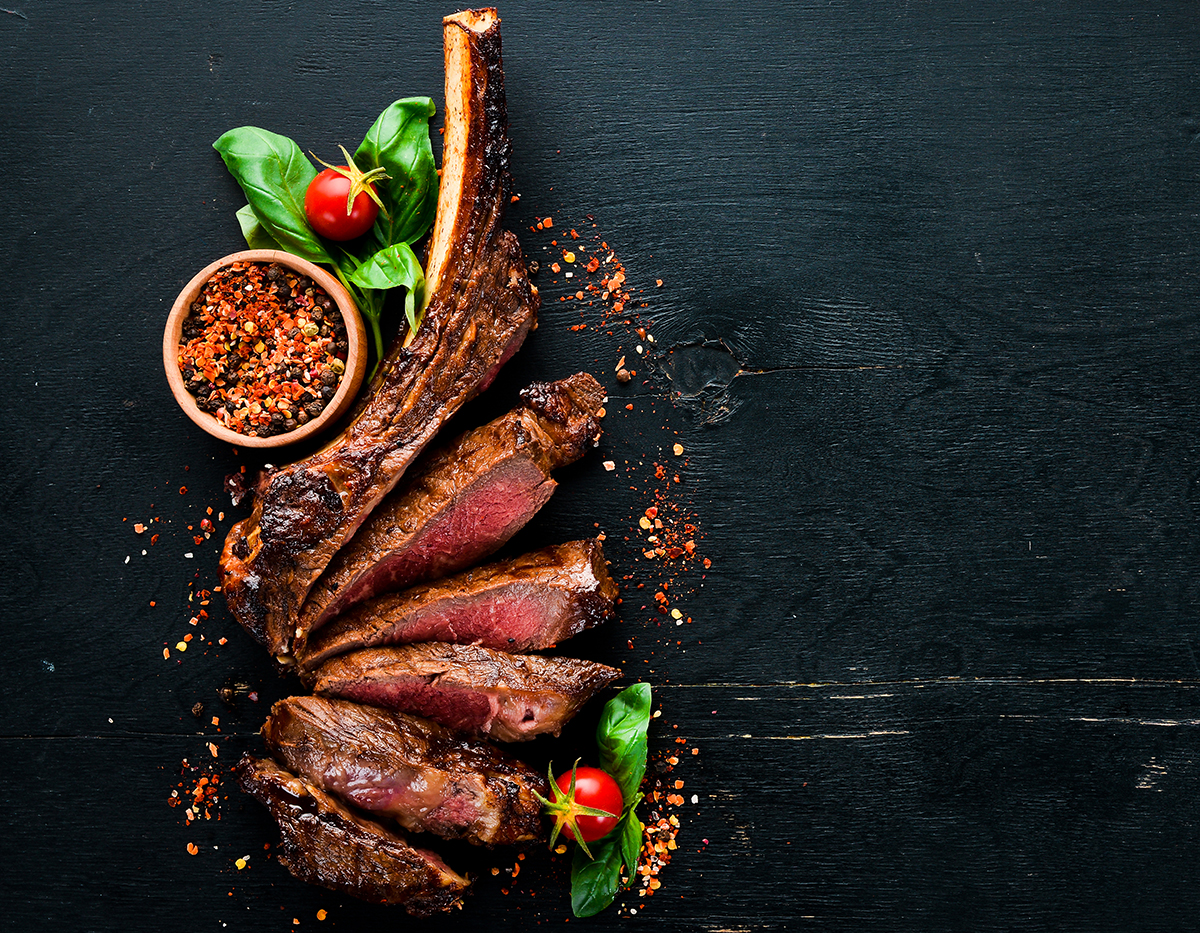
(324, 843)
(421, 774)
(524, 604)
(510, 697)
(480, 308)
(464, 501)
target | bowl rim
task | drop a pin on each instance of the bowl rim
(356, 354)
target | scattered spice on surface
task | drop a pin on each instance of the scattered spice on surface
(263, 348)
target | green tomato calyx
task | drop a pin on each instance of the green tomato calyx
(566, 809)
(360, 181)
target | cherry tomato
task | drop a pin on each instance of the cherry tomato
(593, 788)
(325, 206)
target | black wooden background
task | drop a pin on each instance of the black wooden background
(927, 333)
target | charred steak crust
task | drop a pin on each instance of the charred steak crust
(421, 774)
(323, 842)
(527, 603)
(509, 697)
(481, 307)
(465, 500)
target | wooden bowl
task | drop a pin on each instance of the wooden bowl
(356, 356)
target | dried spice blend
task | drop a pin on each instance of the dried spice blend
(263, 348)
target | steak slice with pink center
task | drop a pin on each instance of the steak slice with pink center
(464, 501)
(415, 771)
(528, 603)
(324, 842)
(509, 697)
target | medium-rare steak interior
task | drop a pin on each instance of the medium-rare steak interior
(323, 842)
(527, 603)
(463, 501)
(421, 774)
(481, 305)
(509, 697)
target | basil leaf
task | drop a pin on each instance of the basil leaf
(391, 267)
(255, 233)
(631, 841)
(274, 174)
(399, 142)
(621, 736)
(594, 881)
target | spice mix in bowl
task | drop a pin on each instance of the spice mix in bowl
(263, 348)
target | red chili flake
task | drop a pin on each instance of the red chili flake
(183, 490)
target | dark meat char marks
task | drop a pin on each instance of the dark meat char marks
(415, 771)
(465, 500)
(467, 687)
(481, 308)
(323, 842)
(528, 603)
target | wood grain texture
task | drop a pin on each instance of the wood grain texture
(927, 333)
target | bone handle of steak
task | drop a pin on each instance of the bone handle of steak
(445, 515)
(481, 307)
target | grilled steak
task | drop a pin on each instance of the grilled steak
(324, 843)
(415, 771)
(480, 308)
(510, 697)
(464, 501)
(524, 604)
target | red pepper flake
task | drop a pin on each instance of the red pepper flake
(263, 349)
(183, 490)
(192, 848)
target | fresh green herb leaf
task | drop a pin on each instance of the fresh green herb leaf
(399, 143)
(395, 266)
(630, 831)
(621, 736)
(594, 881)
(255, 233)
(274, 174)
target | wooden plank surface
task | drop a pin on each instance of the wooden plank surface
(926, 333)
